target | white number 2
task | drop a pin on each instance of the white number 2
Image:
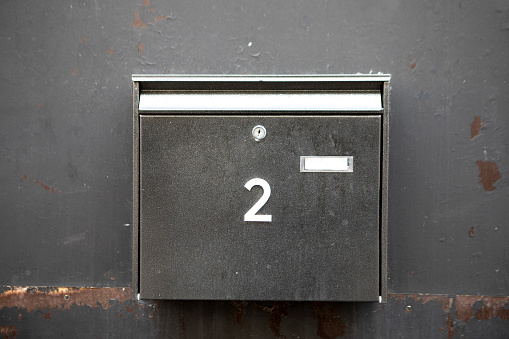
(251, 214)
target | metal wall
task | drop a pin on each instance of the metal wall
(66, 155)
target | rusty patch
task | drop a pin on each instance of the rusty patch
(475, 127)
(8, 331)
(38, 105)
(146, 3)
(329, 324)
(74, 71)
(110, 50)
(159, 18)
(47, 315)
(137, 22)
(141, 46)
(465, 306)
(493, 307)
(52, 189)
(130, 309)
(471, 231)
(19, 317)
(278, 310)
(239, 311)
(19, 55)
(489, 174)
(445, 301)
(412, 65)
(80, 40)
(151, 10)
(450, 326)
(120, 315)
(33, 298)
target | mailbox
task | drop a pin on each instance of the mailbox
(260, 187)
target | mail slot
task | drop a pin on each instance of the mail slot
(260, 187)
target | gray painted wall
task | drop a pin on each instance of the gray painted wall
(66, 129)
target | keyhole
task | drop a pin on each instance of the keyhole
(259, 132)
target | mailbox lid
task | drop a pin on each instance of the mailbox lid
(323, 241)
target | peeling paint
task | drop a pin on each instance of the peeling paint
(137, 22)
(159, 18)
(329, 323)
(33, 299)
(445, 301)
(8, 331)
(471, 231)
(475, 127)
(489, 174)
(493, 307)
(450, 326)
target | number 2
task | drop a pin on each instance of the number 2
(251, 214)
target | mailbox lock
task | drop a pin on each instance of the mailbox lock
(259, 132)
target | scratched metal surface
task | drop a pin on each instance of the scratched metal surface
(65, 136)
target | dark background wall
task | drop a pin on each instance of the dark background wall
(65, 157)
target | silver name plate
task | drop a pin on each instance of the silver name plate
(326, 164)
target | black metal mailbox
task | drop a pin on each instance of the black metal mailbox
(260, 187)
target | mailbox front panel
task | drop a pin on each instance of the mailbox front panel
(322, 242)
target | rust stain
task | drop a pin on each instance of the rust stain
(140, 47)
(151, 10)
(475, 127)
(52, 189)
(146, 3)
(38, 105)
(137, 22)
(74, 71)
(8, 331)
(412, 64)
(182, 322)
(159, 18)
(465, 306)
(471, 231)
(120, 315)
(450, 326)
(47, 315)
(278, 310)
(130, 309)
(239, 311)
(489, 174)
(329, 324)
(80, 40)
(445, 301)
(34, 298)
(110, 50)
(19, 317)
(493, 307)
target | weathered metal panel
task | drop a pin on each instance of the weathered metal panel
(66, 128)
